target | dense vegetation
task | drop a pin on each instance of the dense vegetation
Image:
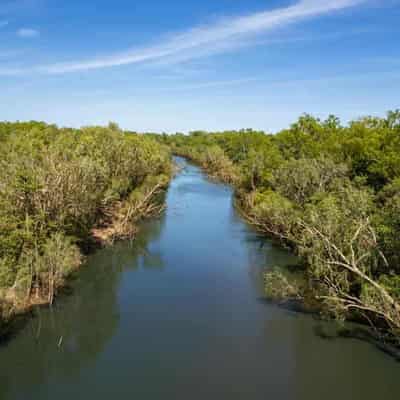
(332, 194)
(60, 190)
(329, 192)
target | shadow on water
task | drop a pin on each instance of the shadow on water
(63, 339)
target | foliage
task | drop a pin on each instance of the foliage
(332, 193)
(279, 286)
(56, 185)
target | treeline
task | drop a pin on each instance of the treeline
(332, 194)
(60, 191)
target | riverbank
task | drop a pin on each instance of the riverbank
(64, 192)
(287, 286)
(339, 217)
(185, 299)
(120, 222)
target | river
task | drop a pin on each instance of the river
(178, 314)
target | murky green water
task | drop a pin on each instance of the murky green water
(177, 315)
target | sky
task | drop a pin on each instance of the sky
(177, 66)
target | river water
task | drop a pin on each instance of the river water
(178, 314)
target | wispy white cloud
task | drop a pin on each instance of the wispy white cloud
(27, 33)
(266, 82)
(225, 34)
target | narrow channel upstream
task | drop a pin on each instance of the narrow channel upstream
(177, 314)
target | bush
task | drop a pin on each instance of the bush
(299, 180)
(56, 185)
(332, 193)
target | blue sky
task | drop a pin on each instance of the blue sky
(160, 65)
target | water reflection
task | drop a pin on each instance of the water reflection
(177, 314)
(62, 340)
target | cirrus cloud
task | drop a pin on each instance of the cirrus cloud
(223, 35)
(226, 33)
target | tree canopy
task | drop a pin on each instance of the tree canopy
(56, 186)
(330, 192)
